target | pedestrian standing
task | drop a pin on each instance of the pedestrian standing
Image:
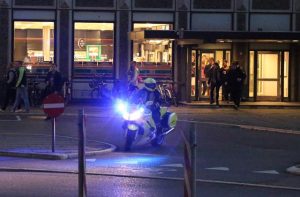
(53, 82)
(224, 81)
(206, 71)
(21, 86)
(10, 86)
(214, 81)
(133, 75)
(236, 79)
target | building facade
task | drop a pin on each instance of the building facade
(170, 39)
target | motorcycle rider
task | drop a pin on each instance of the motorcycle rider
(151, 97)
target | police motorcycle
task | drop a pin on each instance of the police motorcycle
(139, 126)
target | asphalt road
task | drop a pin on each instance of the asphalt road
(239, 153)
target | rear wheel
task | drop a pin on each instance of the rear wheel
(130, 136)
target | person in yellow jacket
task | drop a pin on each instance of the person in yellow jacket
(21, 85)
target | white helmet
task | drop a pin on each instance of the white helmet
(150, 84)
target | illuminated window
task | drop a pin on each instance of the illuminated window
(34, 40)
(93, 44)
(286, 74)
(152, 51)
(155, 54)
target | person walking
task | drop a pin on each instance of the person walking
(53, 82)
(236, 79)
(214, 81)
(21, 85)
(10, 86)
(224, 81)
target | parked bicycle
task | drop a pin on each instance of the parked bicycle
(99, 88)
(36, 92)
(168, 94)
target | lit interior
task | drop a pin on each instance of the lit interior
(93, 43)
(35, 40)
(153, 51)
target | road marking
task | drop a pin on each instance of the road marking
(175, 165)
(249, 127)
(218, 168)
(9, 169)
(267, 172)
(294, 169)
(18, 118)
(90, 160)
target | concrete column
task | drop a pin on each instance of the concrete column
(63, 43)
(4, 40)
(123, 47)
(180, 61)
(183, 74)
(294, 87)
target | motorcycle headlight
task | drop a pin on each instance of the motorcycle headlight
(134, 115)
(122, 107)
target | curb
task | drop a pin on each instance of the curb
(294, 170)
(208, 106)
(56, 156)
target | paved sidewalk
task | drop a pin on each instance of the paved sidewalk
(40, 146)
(23, 142)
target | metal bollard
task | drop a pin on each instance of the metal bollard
(193, 146)
(53, 134)
(190, 162)
(82, 190)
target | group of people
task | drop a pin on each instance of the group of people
(16, 86)
(230, 79)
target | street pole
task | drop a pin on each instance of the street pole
(193, 146)
(53, 134)
(82, 190)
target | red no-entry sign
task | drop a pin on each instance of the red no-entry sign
(53, 105)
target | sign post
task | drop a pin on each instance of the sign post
(190, 146)
(82, 189)
(53, 106)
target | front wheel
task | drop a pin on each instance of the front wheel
(130, 136)
(158, 140)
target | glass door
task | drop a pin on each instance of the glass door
(199, 68)
(203, 67)
(268, 76)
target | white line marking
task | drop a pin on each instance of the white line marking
(175, 165)
(267, 172)
(18, 118)
(153, 177)
(53, 105)
(294, 169)
(249, 127)
(218, 168)
(90, 160)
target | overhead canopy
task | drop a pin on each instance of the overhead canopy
(153, 34)
(195, 37)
